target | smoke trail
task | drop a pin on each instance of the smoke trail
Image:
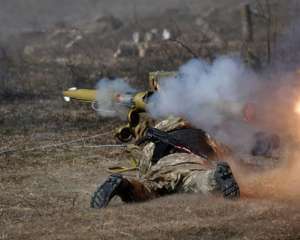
(106, 92)
(210, 96)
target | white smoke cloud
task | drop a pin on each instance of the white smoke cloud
(106, 92)
(211, 96)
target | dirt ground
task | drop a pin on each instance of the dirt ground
(46, 181)
(45, 193)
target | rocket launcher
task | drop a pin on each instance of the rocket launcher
(135, 103)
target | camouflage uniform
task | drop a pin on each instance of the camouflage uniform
(181, 172)
(175, 172)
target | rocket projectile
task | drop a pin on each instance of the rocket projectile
(84, 95)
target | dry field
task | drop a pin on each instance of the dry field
(46, 184)
(45, 193)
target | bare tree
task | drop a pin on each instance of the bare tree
(263, 10)
(4, 71)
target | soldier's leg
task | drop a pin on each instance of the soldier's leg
(218, 180)
(117, 185)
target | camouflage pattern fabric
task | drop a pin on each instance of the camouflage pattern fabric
(178, 172)
(144, 158)
(172, 123)
(181, 172)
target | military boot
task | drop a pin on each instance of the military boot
(226, 182)
(117, 185)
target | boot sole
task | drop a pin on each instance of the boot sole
(227, 182)
(105, 192)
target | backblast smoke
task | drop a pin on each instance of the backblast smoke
(211, 96)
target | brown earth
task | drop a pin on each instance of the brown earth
(45, 194)
(45, 190)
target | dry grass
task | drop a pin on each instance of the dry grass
(46, 194)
